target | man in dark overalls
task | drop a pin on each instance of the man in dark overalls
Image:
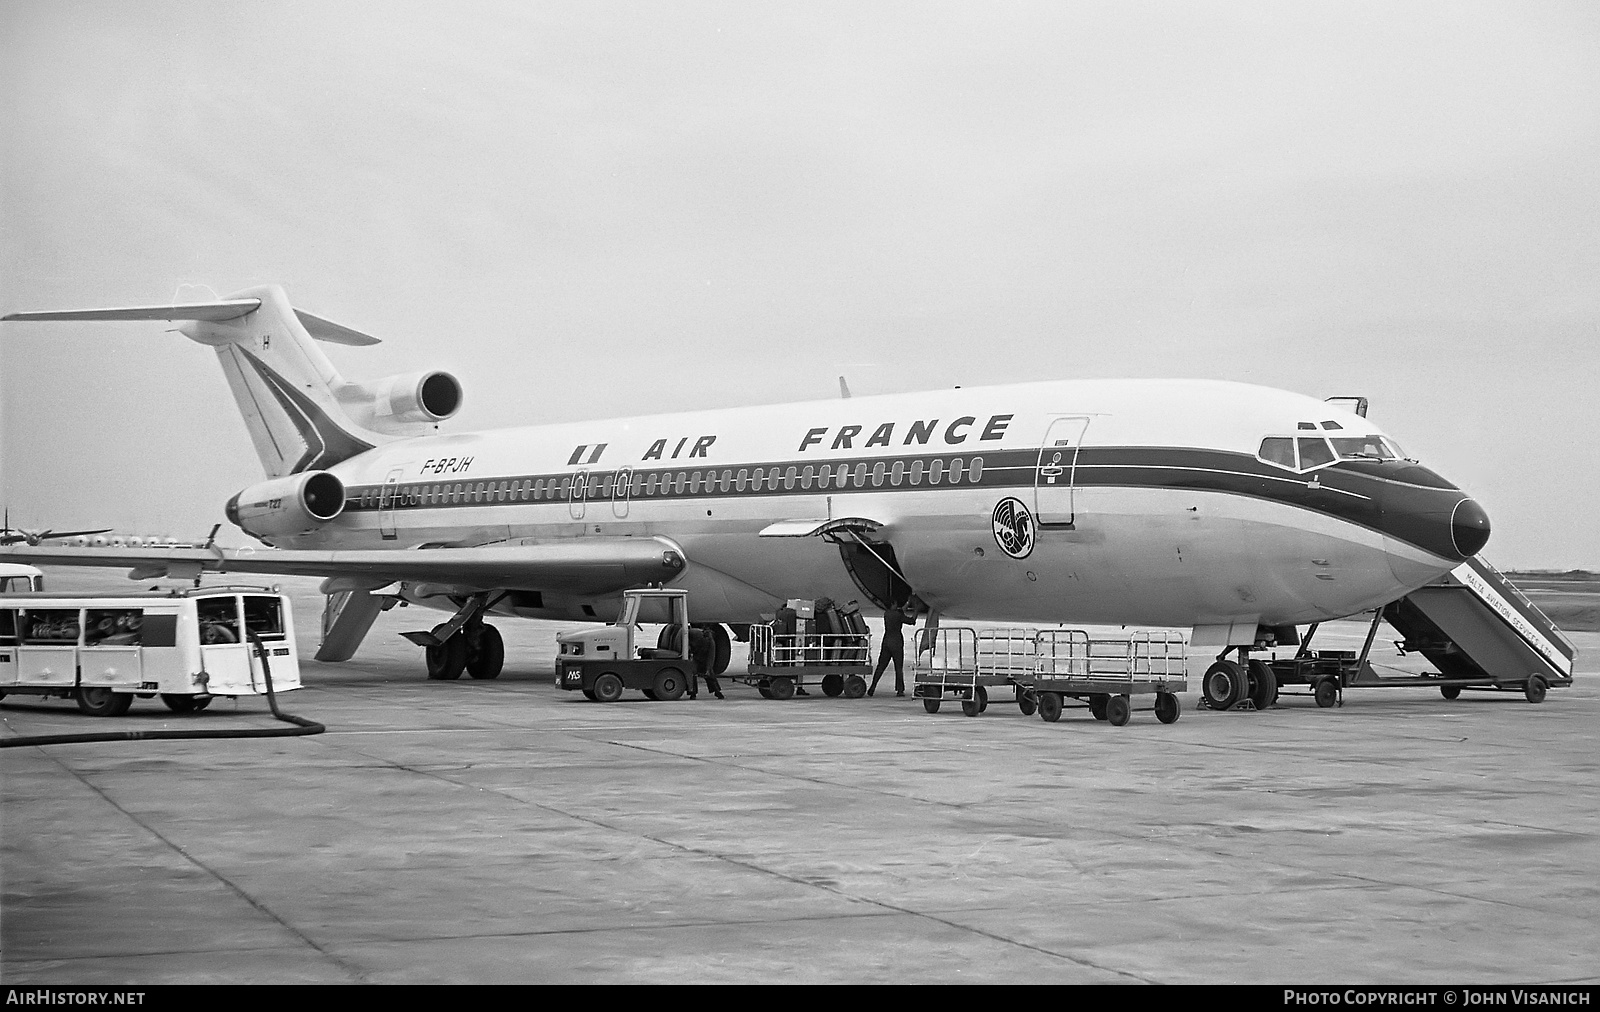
(894, 649)
(702, 650)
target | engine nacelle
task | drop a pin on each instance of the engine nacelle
(284, 507)
(417, 397)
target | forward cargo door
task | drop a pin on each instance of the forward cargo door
(1055, 480)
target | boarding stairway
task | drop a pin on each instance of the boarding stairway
(1478, 630)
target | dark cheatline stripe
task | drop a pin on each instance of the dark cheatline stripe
(1352, 491)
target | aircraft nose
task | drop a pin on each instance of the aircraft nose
(1469, 527)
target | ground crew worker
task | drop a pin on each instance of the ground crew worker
(894, 649)
(702, 649)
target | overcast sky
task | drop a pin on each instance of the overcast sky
(585, 209)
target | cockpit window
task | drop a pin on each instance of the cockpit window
(1314, 453)
(1331, 424)
(1278, 450)
(1362, 448)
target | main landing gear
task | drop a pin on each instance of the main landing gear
(466, 643)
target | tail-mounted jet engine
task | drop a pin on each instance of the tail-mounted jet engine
(410, 399)
(283, 507)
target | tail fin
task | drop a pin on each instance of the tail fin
(283, 383)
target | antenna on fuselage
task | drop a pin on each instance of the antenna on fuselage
(844, 389)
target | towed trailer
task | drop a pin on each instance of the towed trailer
(188, 647)
(1051, 666)
(780, 663)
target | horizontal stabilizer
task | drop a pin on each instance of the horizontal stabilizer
(213, 312)
(333, 333)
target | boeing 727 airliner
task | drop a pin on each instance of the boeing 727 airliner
(1236, 511)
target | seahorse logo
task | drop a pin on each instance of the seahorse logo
(1013, 528)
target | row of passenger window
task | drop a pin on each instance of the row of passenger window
(644, 484)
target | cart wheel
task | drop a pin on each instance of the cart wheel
(669, 684)
(832, 685)
(1263, 684)
(607, 688)
(1327, 692)
(1026, 702)
(103, 702)
(489, 657)
(766, 693)
(185, 704)
(782, 687)
(1097, 705)
(650, 693)
(1224, 684)
(971, 707)
(854, 687)
(1117, 710)
(1167, 707)
(1050, 706)
(588, 694)
(931, 705)
(1450, 691)
(447, 660)
(1534, 689)
(982, 695)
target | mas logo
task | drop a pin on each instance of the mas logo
(1013, 528)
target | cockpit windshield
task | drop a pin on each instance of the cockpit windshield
(1363, 448)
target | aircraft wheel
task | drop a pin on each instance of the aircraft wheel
(723, 648)
(1117, 710)
(982, 696)
(854, 687)
(1263, 684)
(179, 703)
(931, 705)
(1050, 706)
(447, 660)
(832, 685)
(607, 688)
(670, 684)
(490, 655)
(1450, 691)
(782, 687)
(1327, 692)
(103, 702)
(1224, 685)
(1167, 707)
(1097, 705)
(1026, 702)
(1534, 688)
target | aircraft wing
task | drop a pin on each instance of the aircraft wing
(572, 565)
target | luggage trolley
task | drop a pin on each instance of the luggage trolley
(781, 662)
(1102, 674)
(965, 663)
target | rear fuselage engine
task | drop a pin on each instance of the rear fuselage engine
(284, 507)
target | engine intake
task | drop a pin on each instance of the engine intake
(425, 397)
(284, 507)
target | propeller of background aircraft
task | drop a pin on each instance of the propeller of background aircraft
(11, 535)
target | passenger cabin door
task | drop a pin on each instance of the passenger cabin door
(386, 504)
(1056, 477)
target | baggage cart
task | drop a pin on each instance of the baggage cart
(781, 662)
(965, 663)
(1102, 674)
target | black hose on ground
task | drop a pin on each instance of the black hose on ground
(302, 725)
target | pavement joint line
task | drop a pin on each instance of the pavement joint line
(256, 904)
(773, 873)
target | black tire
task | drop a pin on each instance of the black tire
(588, 694)
(670, 684)
(103, 702)
(1097, 705)
(1326, 692)
(832, 685)
(490, 656)
(447, 660)
(1263, 685)
(970, 707)
(1450, 691)
(1534, 689)
(608, 687)
(1026, 702)
(782, 687)
(723, 652)
(650, 693)
(1224, 684)
(1167, 707)
(931, 705)
(766, 693)
(982, 695)
(854, 687)
(185, 704)
(1050, 706)
(1117, 711)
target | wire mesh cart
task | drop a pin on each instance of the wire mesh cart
(782, 662)
(964, 663)
(1103, 674)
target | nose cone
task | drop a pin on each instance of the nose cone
(1469, 527)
